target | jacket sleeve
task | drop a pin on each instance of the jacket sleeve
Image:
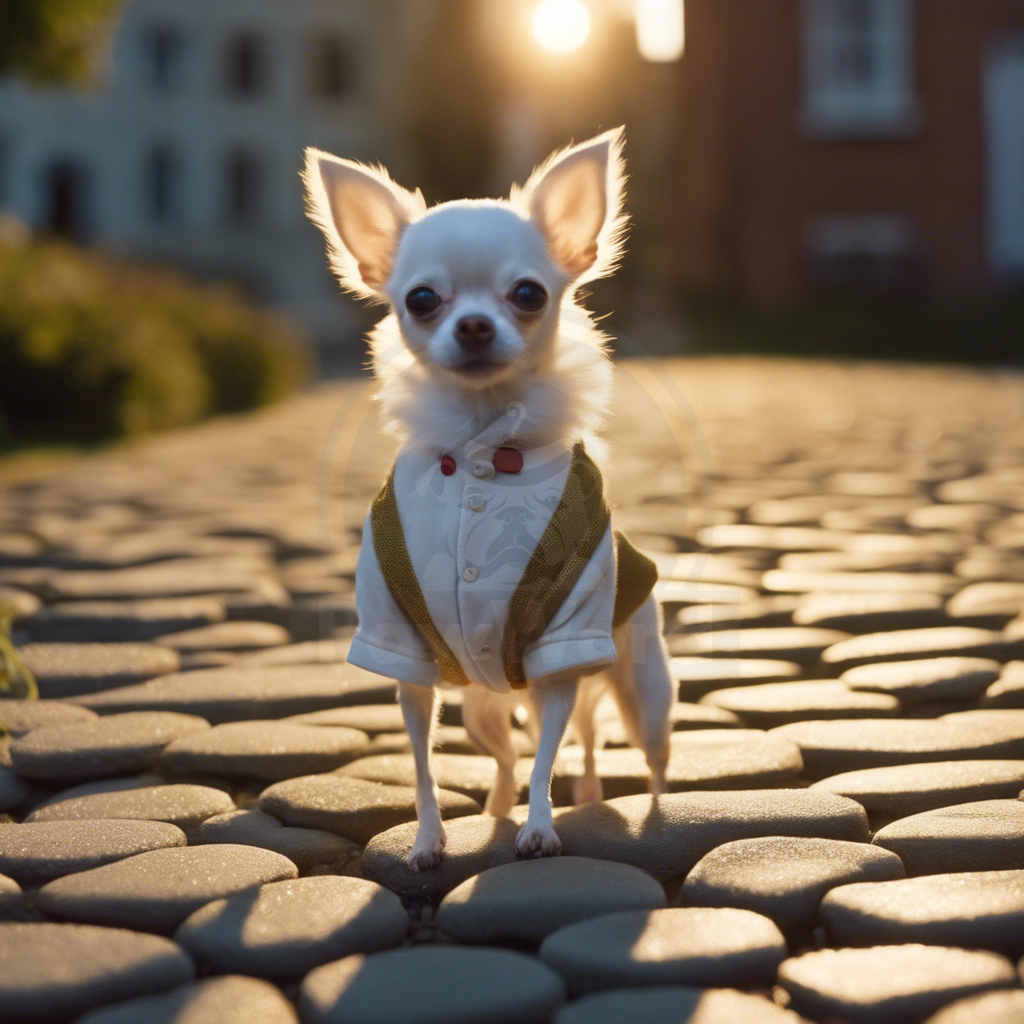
(386, 642)
(579, 635)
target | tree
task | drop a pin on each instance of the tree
(53, 41)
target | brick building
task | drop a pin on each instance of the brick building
(873, 144)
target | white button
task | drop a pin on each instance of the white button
(470, 575)
(483, 470)
(476, 503)
(484, 651)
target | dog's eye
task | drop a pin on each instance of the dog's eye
(422, 301)
(528, 296)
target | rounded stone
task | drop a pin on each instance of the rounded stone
(475, 843)
(983, 836)
(1008, 690)
(698, 759)
(675, 1005)
(227, 1000)
(270, 751)
(372, 719)
(871, 612)
(925, 679)
(54, 972)
(901, 790)
(21, 602)
(889, 984)
(156, 891)
(521, 903)
(676, 946)
(37, 852)
(438, 985)
(355, 809)
(995, 600)
(12, 900)
(67, 669)
(772, 704)
(181, 805)
(285, 929)
(182, 577)
(122, 621)
(18, 717)
(802, 644)
(989, 1008)
(788, 581)
(664, 835)
(784, 878)
(940, 641)
(116, 745)
(972, 909)
(832, 747)
(234, 695)
(696, 676)
(226, 636)
(304, 847)
(469, 774)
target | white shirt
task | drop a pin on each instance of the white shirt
(469, 536)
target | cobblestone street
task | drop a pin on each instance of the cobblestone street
(205, 817)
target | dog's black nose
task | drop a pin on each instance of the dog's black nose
(474, 333)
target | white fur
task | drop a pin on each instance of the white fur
(549, 368)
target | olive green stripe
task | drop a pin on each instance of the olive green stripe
(566, 546)
(400, 577)
(635, 576)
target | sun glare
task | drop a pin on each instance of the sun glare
(561, 26)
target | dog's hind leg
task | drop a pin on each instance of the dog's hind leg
(643, 687)
(487, 720)
(587, 788)
(554, 700)
(419, 707)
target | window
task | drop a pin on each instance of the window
(244, 183)
(858, 67)
(163, 56)
(878, 255)
(247, 65)
(66, 186)
(162, 184)
(329, 67)
(5, 170)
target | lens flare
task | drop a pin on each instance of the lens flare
(561, 26)
(660, 29)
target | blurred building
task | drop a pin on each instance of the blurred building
(868, 145)
(188, 150)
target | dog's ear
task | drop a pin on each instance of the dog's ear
(575, 199)
(362, 214)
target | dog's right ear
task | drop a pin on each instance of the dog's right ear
(362, 214)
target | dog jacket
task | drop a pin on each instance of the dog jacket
(493, 566)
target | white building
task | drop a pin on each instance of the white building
(188, 150)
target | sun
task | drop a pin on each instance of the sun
(561, 26)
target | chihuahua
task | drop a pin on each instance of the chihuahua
(488, 559)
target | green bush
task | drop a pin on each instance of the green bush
(91, 349)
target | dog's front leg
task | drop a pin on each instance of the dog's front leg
(554, 700)
(419, 704)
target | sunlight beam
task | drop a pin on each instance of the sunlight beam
(561, 26)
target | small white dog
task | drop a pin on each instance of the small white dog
(488, 559)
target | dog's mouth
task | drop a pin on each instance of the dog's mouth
(477, 367)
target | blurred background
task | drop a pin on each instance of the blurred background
(820, 177)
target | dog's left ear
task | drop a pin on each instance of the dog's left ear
(575, 199)
(362, 214)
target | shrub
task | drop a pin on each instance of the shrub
(91, 349)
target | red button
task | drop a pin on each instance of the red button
(508, 460)
(447, 465)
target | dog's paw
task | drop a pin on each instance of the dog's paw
(538, 841)
(426, 853)
(587, 789)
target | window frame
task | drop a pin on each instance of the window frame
(883, 103)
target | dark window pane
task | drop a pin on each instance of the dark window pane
(164, 54)
(330, 66)
(243, 172)
(162, 183)
(65, 214)
(247, 65)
